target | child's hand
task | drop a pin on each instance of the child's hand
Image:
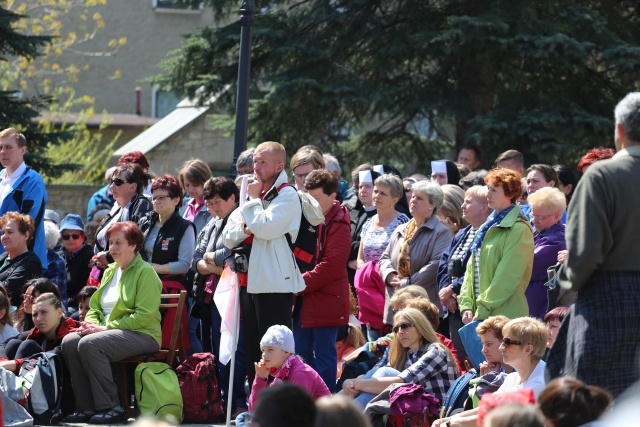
(261, 369)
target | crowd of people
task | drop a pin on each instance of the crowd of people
(525, 278)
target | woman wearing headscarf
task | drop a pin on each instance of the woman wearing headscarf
(445, 172)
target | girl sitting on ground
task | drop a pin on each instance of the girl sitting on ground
(280, 364)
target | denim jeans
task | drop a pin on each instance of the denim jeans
(364, 398)
(317, 346)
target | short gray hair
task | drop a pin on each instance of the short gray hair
(393, 182)
(51, 235)
(627, 113)
(432, 190)
(245, 158)
(332, 164)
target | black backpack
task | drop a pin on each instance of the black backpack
(309, 245)
(358, 366)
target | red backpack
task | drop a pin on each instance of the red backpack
(199, 387)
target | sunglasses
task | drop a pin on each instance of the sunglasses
(118, 181)
(27, 297)
(506, 342)
(401, 327)
(71, 236)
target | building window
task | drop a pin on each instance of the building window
(163, 102)
(172, 5)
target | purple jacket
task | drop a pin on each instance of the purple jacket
(294, 371)
(547, 244)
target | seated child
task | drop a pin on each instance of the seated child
(83, 297)
(280, 364)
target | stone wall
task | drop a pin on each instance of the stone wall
(66, 199)
(199, 140)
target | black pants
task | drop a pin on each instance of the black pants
(18, 349)
(260, 312)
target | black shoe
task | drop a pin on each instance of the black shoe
(111, 416)
(79, 417)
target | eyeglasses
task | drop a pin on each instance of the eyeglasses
(506, 342)
(71, 236)
(118, 181)
(27, 297)
(301, 176)
(540, 217)
(159, 198)
(402, 326)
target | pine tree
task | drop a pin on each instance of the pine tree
(21, 113)
(404, 81)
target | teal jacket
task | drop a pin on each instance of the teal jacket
(138, 306)
(506, 259)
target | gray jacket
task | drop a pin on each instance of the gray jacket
(425, 250)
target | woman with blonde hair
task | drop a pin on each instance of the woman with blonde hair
(416, 356)
(450, 214)
(548, 205)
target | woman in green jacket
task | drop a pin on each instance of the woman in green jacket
(123, 321)
(499, 270)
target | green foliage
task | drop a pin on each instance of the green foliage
(405, 82)
(20, 113)
(85, 150)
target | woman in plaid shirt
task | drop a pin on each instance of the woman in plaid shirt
(416, 356)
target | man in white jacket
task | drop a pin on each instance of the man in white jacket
(273, 277)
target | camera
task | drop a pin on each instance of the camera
(455, 268)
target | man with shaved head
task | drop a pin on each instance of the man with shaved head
(260, 227)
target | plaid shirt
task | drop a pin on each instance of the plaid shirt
(431, 367)
(56, 271)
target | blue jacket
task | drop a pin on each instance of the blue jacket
(100, 196)
(29, 197)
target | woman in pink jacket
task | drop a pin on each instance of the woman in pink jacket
(280, 364)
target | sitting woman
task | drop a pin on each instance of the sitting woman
(349, 339)
(490, 333)
(77, 256)
(123, 321)
(7, 331)
(18, 264)
(50, 328)
(523, 346)
(32, 290)
(416, 356)
(280, 364)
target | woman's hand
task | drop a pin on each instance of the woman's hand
(486, 367)
(394, 280)
(353, 264)
(452, 305)
(261, 369)
(467, 316)
(87, 328)
(101, 260)
(349, 387)
(561, 256)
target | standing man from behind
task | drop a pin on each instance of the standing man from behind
(272, 211)
(21, 188)
(511, 159)
(602, 264)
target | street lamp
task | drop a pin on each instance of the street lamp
(244, 72)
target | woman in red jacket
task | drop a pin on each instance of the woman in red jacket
(324, 304)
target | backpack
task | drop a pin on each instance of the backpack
(358, 366)
(42, 380)
(309, 245)
(457, 395)
(158, 391)
(199, 388)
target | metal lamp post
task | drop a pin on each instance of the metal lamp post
(244, 71)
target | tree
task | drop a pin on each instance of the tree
(73, 153)
(405, 81)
